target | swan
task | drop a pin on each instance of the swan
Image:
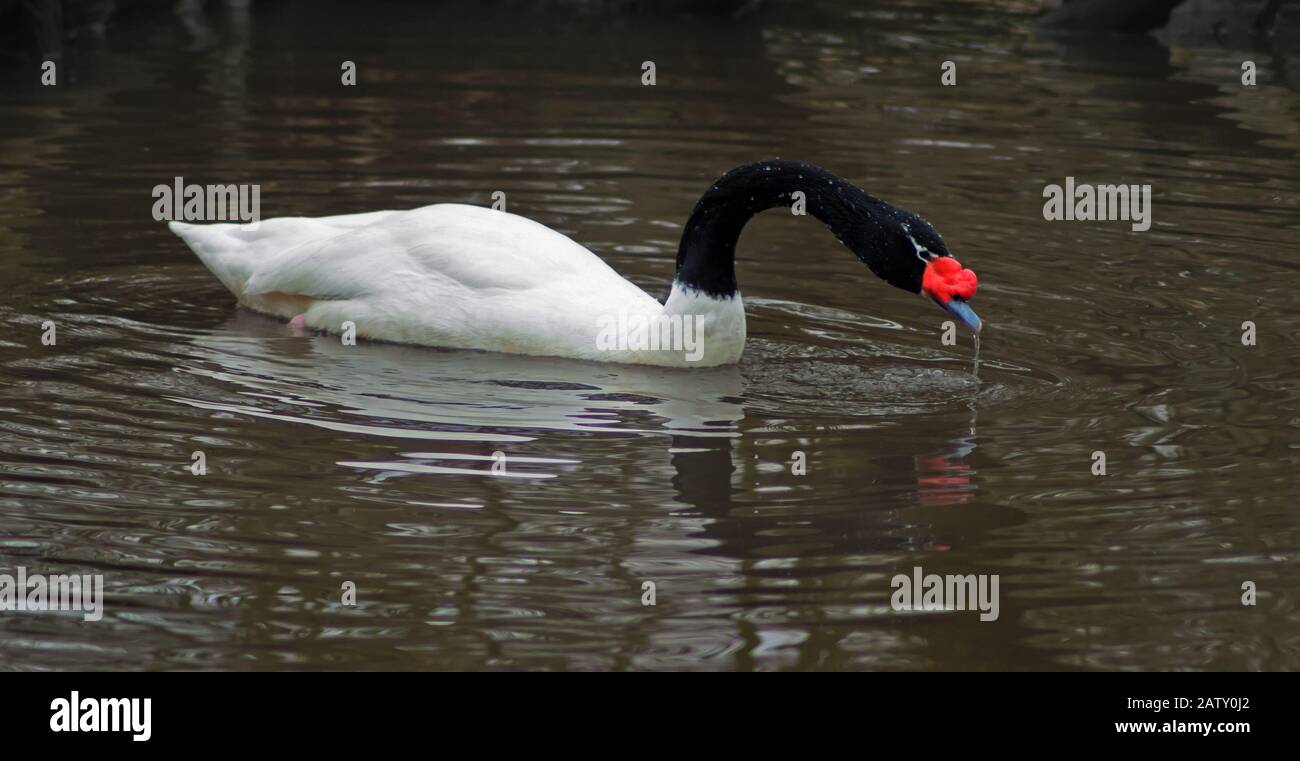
(468, 277)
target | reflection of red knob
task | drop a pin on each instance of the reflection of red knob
(941, 481)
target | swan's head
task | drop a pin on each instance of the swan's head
(915, 259)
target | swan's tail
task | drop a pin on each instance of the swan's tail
(222, 250)
(235, 252)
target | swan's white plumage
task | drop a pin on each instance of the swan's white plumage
(450, 275)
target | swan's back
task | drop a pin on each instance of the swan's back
(443, 275)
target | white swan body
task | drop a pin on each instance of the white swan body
(465, 277)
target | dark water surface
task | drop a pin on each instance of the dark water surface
(373, 463)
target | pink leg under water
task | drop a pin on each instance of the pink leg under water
(299, 324)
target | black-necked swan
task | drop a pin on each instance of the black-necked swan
(467, 277)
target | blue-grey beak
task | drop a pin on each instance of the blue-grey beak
(962, 311)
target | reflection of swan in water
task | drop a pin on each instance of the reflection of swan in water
(467, 405)
(396, 392)
(474, 404)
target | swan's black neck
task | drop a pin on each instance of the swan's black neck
(884, 237)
